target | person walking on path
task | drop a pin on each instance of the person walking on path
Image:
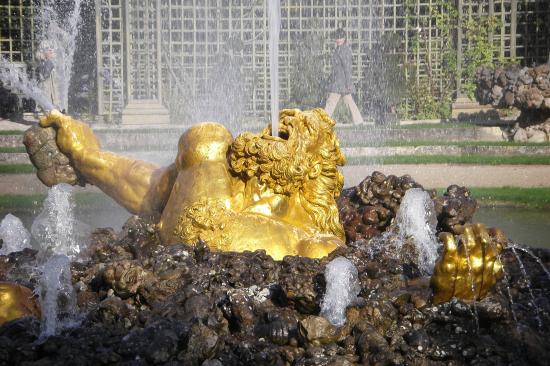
(341, 79)
(45, 71)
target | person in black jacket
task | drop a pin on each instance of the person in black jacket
(341, 79)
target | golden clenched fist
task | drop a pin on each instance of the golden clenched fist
(469, 265)
(73, 137)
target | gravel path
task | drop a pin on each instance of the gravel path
(443, 175)
(430, 176)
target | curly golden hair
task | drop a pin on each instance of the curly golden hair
(304, 160)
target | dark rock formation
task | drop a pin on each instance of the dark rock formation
(368, 209)
(144, 303)
(455, 207)
(513, 86)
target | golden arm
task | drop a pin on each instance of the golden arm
(141, 187)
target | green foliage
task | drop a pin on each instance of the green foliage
(481, 51)
(424, 103)
(431, 96)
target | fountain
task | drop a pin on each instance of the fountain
(248, 284)
(15, 80)
(55, 228)
(57, 296)
(246, 250)
(274, 10)
(61, 239)
(60, 22)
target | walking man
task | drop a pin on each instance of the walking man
(341, 79)
(45, 71)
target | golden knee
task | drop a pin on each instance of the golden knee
(207, 141)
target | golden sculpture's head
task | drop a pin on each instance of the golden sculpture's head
(16, 302)
(302, 160)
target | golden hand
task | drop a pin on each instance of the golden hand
(469, 266)
(73, 137)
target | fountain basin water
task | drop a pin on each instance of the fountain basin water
(524, 225)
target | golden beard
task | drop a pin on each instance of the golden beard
(305, 164)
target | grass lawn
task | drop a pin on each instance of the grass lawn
(11, 132)
(513, 196)
(399, 143)
(10, 150)
(17, 169)
(434, 125)
(447, 159)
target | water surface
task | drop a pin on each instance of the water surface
(522, 225)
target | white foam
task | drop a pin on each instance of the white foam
(417, 220)
(55, 228)
(342, 288)
(14, 235)
(57, 296)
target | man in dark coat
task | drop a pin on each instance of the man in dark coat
(341, 79)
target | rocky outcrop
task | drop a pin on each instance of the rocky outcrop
(527, 89)
(368, 209)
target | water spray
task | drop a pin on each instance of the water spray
(17, 80)
(274, 11)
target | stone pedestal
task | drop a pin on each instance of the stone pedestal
(464, 108)
(145, 112)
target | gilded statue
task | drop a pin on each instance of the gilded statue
(255, 191)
